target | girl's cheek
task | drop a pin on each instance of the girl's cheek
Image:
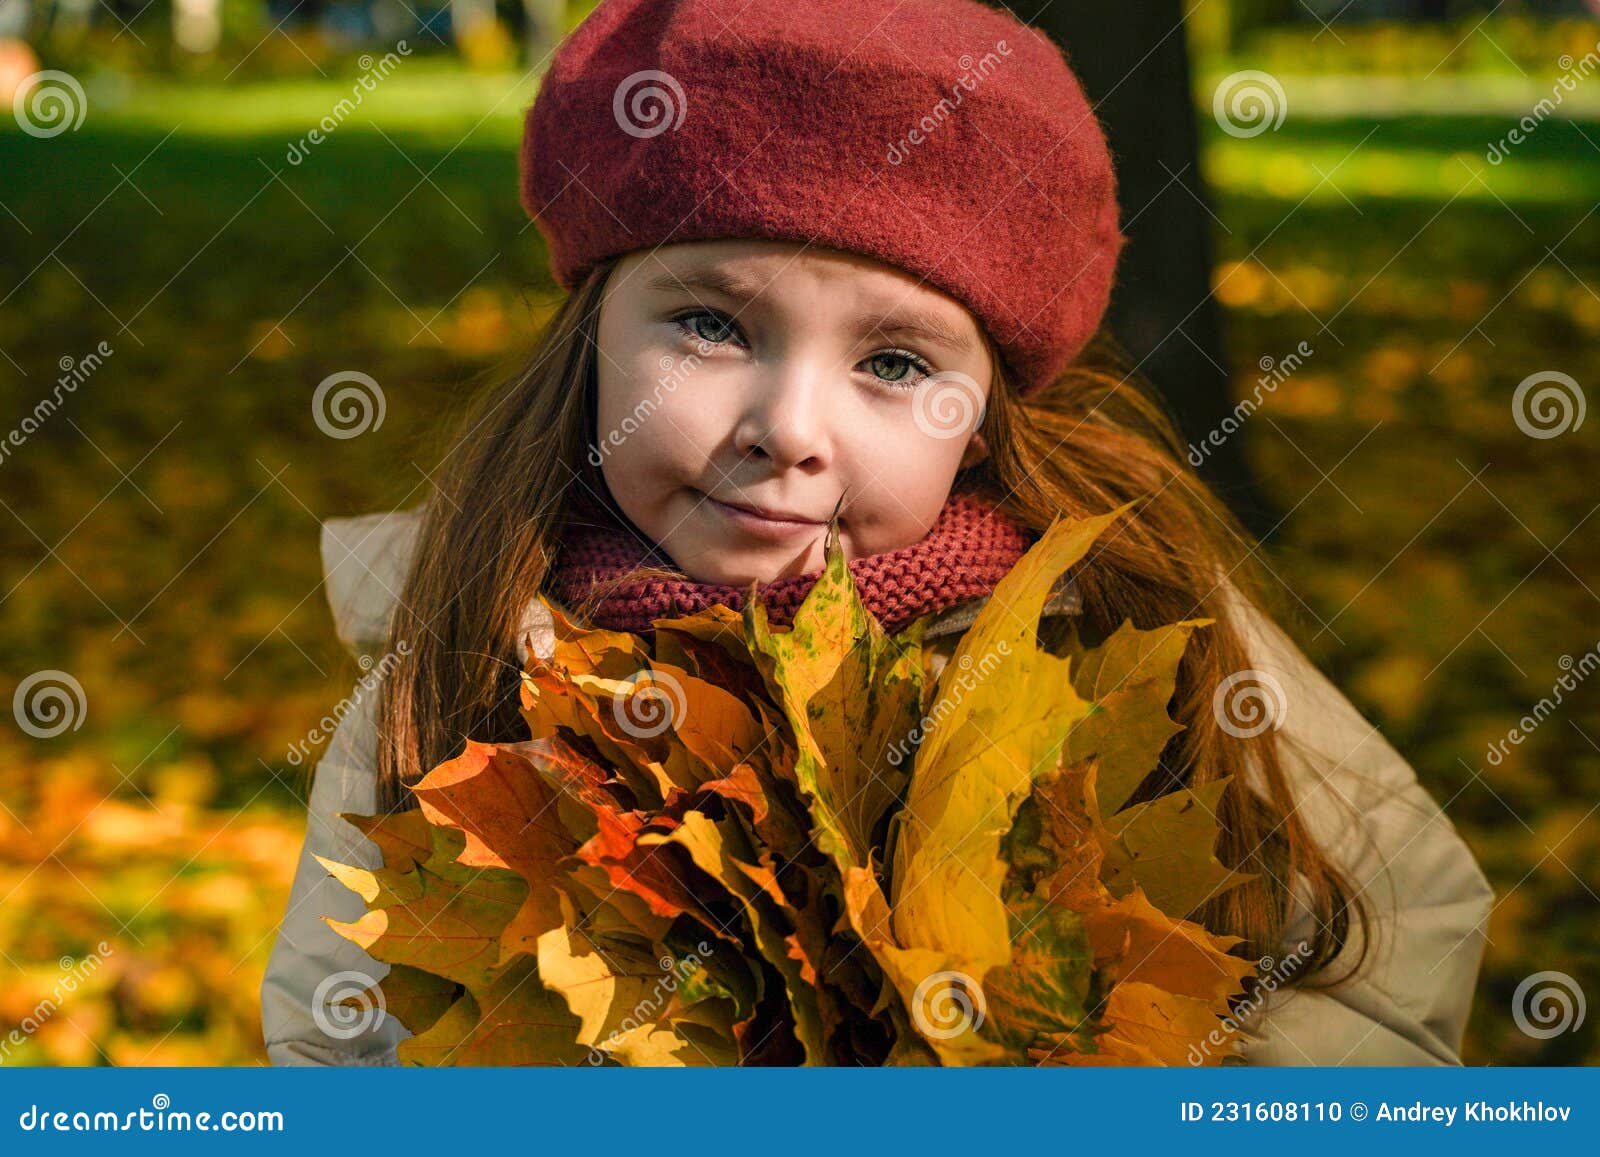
(915, 470)
(700, 406)
(892, 444)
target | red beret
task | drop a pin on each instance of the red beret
(943, 137)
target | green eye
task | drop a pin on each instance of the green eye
(896, 364)
(901, 366)
(720, 329)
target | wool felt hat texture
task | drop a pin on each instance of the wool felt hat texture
(943, 137)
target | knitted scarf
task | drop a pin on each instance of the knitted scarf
(971, 546)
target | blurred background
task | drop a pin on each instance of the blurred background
(1365, 268)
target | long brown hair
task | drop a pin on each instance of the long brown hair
(518, 467)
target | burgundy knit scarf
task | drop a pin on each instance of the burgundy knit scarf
(971, 546)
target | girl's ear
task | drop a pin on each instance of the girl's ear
(977, 450)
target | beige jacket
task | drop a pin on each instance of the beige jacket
(1366, 808)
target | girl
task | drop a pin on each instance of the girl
(853, 262)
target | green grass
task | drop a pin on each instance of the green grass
(421, 97)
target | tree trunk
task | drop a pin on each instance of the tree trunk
(1136, 71)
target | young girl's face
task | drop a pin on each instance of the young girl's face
(778, 378)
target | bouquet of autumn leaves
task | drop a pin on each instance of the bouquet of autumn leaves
(739, 844)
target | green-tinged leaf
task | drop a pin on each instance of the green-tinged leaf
(415, 998)
(763, 902)
(1167, 848)
(1010, 705)
(516, 1021)
(849, 691)
(1045, 987)
(1130, 679)
(613, 983)
(453, 925)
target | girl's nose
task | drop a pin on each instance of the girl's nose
(786, 419)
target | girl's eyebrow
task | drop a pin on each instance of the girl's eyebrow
(911, 323)
(914, 324)
(711, 280)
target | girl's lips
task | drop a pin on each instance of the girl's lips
(772, 529)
